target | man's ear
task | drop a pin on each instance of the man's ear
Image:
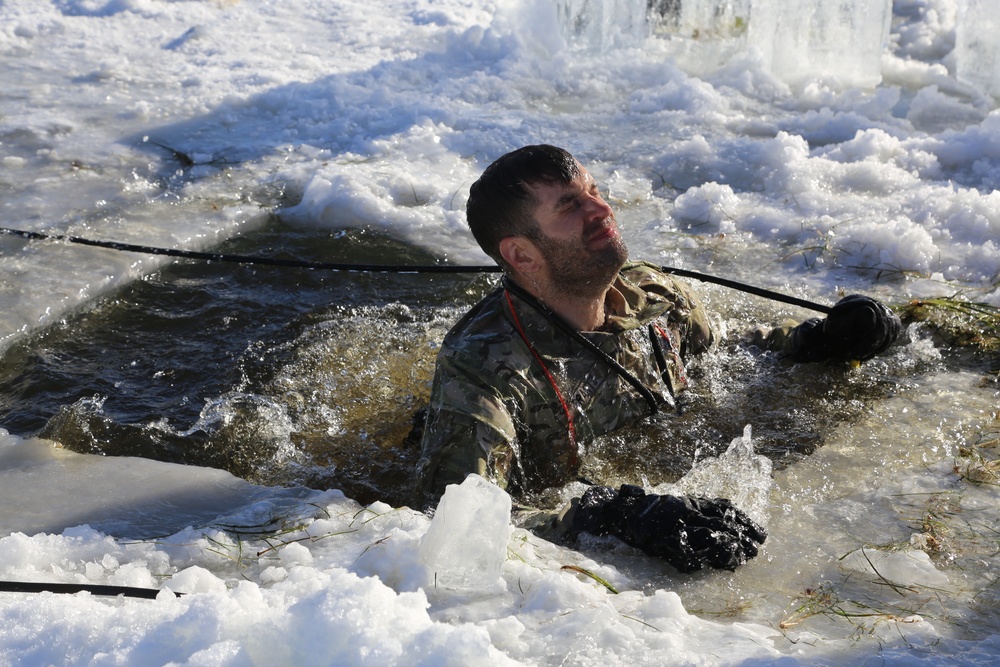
(521, 254)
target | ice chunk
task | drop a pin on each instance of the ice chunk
(836, 41)
(602, 24)
(703, 35)
(714, 21)
(466, 544)
(977, 49)
(901, 568)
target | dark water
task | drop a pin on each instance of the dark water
(291, 376)
(134, 373)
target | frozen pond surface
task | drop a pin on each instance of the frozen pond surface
(233, 432)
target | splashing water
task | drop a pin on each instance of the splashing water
(738, 474)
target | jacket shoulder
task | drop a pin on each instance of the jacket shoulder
(484, 323)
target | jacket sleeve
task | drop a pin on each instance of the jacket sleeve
(855, 329)
(788, 338)
(469, 429)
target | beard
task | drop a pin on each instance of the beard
(577, 271)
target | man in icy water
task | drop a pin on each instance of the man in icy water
(576, 342)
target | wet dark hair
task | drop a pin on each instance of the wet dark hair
(500, 203)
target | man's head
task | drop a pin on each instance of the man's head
(502, 202)
(537, 211)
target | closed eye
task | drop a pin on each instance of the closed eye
(573, 200)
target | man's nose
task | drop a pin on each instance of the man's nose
(597, 208)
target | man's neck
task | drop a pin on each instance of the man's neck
(582, 312)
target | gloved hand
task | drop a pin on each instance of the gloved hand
(687, 532)
(856, 329)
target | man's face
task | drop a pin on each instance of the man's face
(577, 236)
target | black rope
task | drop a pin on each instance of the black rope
(246, 259)
(571, 331)
(749, 289)
(375, 268)
(95, 589)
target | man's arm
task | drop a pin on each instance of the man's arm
(468, 428)
(856, 329)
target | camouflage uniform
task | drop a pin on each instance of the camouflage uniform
(499, 407)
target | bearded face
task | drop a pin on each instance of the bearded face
(584, 266)
(575, 248)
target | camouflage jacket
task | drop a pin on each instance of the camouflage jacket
(516, 398)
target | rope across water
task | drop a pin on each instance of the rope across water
(377, 268)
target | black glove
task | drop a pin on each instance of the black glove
(687, 532)
(856, 329)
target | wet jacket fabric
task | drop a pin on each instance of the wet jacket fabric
(516, 399)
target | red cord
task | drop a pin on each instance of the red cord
(565, 406)
(681, 372)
